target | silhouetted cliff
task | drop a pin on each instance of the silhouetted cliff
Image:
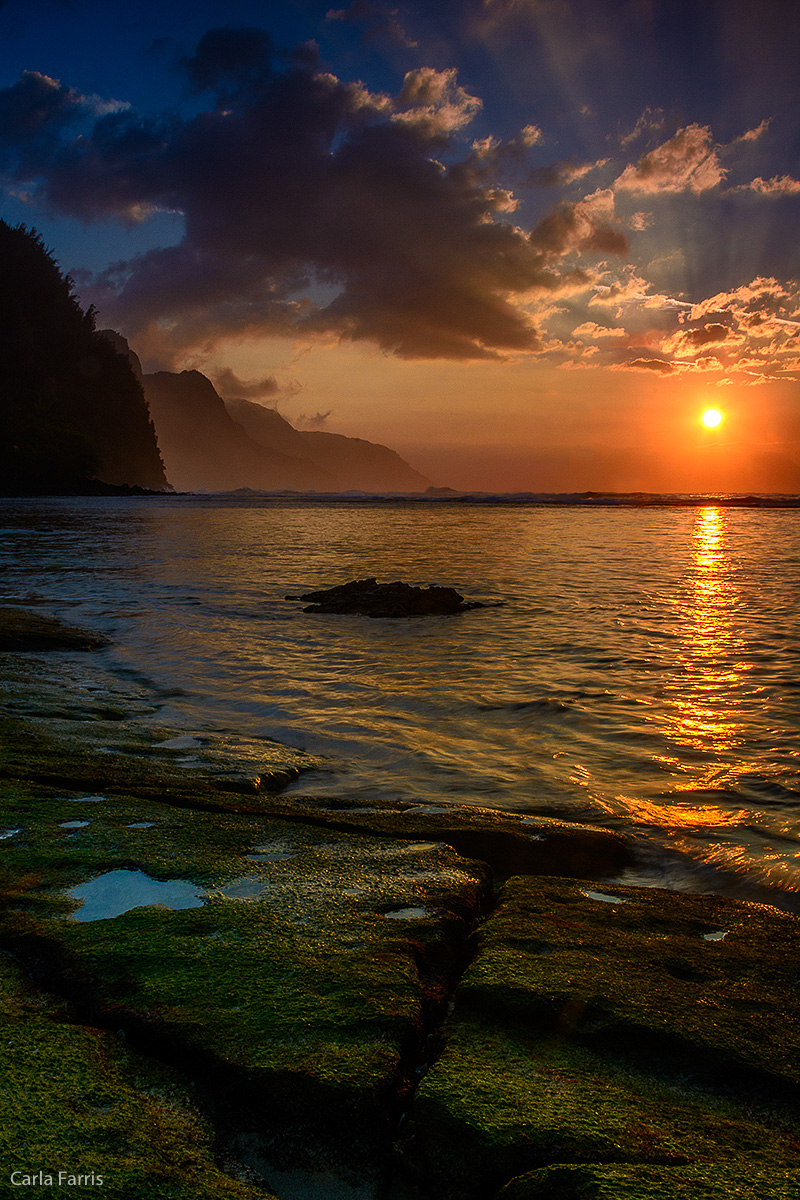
(71, 409)
(354, 464)
(204, 449)
(213, 446)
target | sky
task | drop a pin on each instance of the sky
(525, 243)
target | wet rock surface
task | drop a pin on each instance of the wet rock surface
(80, 1100)
(512, 844)
(22, 630)
(369, 598)
(357, 1000)
(587, 1032)
(718, 1181)
(69, 722)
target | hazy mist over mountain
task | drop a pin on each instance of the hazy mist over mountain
(353, 463)
(204, 449)
(213, 445)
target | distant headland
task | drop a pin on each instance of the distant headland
(79, 417)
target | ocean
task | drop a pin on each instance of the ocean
(634, 666)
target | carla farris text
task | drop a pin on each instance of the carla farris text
(37, 1179)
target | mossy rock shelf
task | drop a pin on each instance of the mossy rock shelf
(592, 1032)
(358, 1001)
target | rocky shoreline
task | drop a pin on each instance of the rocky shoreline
(339, 1000)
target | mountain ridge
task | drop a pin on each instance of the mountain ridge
(73, 416)
(215, 444)
(356, 464)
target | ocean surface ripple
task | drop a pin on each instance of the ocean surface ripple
(637, 666)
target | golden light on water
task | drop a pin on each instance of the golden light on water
(711, 418)
(709, 667)
(703, 692)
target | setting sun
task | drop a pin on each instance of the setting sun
(712, 417)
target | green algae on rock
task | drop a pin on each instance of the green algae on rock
(80, 1100)
(586, 1033)
(511, 843)
(642, 980)
(299, 1011)
(715, 1181)
(71, 722)
(596, 1050)
(228, 775)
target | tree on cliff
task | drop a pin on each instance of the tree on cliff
(71, 410)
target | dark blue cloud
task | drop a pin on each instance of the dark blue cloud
(230, 58)
(291, 183)
(294, 176)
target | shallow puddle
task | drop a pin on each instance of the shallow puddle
(407, 914)
(74, 824)
(715, 937)
(275, 856)
(604, 896)
(86, 799)
(353, 808)
(534, 837)
(244, 889)
(9, 833)
(117, 892)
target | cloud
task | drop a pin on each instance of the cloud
(782, 185)
(652, 364)
(651, 121)
(491, 151)
(588, 225)
(762, 298)
(707, 335)
(293, 178)
(563, 173)
(311, 205)
(690, 340)
(753, 135)
(229, 385)
(232, 57)
(378, 21)
(751, 333)
(34, 114)
(311, 421)
(433, 103)
(688, 162)
(590, 329)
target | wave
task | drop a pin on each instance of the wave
(563, 499)
(543, 704)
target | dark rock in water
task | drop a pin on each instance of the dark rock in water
(369, 598)
(22, 630)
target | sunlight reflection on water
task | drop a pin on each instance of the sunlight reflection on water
(709, 687)
(642, 669)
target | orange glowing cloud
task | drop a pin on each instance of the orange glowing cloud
(688, 162)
